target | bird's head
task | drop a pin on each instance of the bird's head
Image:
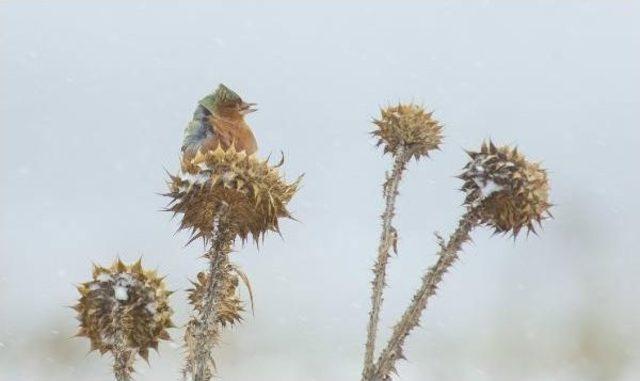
(226, 103)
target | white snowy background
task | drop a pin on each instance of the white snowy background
(94, 98)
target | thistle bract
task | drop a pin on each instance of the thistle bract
(229, 308)
(248, 193)
(508, 191)
(409, 127)
(127, 300)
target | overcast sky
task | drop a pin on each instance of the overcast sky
(94, 97)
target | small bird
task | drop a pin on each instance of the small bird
(219, 121)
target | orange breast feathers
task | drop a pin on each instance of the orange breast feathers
(231, 132)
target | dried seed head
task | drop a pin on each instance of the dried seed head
(229, 307)
(216, 306)
(508, 191)
(127, 299)
(408, 126)
(250, 193)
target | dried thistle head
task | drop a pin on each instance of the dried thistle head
(249, 194)
(508, 191)
(127, 299)
(408, 126)
(229, 307)
(228, 311)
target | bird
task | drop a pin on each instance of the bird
(218, 121)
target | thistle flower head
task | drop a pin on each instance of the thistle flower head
(128, 300)
(229, 307)
(508, 191)
(250, 195)
(409, 127)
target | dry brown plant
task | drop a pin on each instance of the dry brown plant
(222, 195)
(124, 310)
(503, 190)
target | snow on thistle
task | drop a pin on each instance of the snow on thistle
(124, 310)
(504, 191)
(221, 195)
(507, 191)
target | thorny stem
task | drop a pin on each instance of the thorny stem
(204, 335)
(387, 240)
(123, 356)
(447, 254)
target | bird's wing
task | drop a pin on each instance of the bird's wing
(197, 130)
(194, 134)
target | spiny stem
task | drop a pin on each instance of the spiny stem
(123, 356)
(203, 329)
(447, 254)
(387, 240)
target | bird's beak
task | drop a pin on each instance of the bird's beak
(247, 108)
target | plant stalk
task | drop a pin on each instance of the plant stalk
(387, 240)
(203, 330)
(448, 254)
(123, 356)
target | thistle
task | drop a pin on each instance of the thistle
(504, 191)
(229, 307)
(124, 310)
(221, 195)
(405, 131)
(508, 192)
(250, 194)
